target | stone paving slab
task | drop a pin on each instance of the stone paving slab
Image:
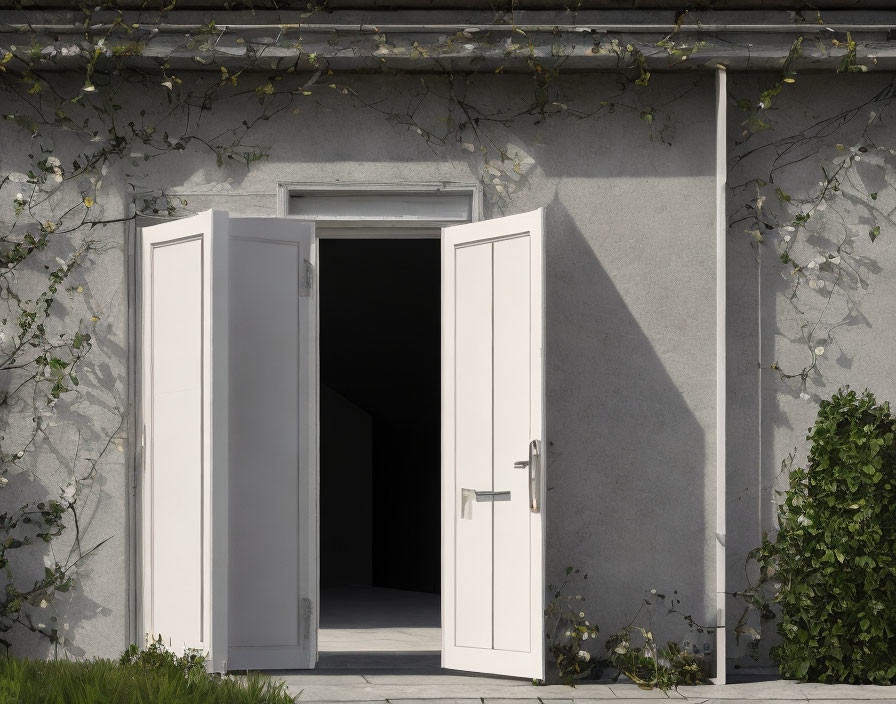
(416, 688)
(788, 690)
(366, 692)
(630, 691)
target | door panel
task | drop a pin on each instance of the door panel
(511, 432)
(473, 367)
(271, 499)
(184, 401)
(493, 412)
(228, 497)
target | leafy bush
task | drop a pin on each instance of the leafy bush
(833, 562)
(152, 676)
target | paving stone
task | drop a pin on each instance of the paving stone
(365, 692)
(633, 691)
(311, 678)
(445, 701)
(773, 689)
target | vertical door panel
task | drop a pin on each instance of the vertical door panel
(177, 441)
(473, 444)
(512, 433)
(184, 402)
(271, 373)
(493, 411)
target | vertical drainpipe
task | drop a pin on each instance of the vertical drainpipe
(721, 366)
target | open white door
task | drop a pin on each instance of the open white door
(184, 326)
(492, 446)
(229, 532)
(273, 445)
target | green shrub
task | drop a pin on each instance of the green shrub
(833, 562)
(152, 676)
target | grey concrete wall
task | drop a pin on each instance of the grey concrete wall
(630, 302)
(85, 433)
(767, 418)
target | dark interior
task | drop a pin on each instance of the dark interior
(380, 413)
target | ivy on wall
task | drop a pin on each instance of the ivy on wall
(60, 208)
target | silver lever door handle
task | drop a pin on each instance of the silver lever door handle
(522, 464)
(534, 464)
(467, 496)
(494, 495)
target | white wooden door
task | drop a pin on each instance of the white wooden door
(228, 497)
(273, 445)
(184, 329)
(492, 446)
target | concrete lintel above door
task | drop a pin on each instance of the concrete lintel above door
(381, 205)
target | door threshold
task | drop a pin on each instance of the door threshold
(381, 660)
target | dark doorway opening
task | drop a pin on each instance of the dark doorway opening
(380, 410)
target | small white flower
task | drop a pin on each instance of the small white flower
(812, 264)
(584, 655)
(167, 84)
(805, 396)
(43, 603)
(819, 350)
(19, 196)
(53, 161)
(653, 591)
(581, 614)
(787, 238)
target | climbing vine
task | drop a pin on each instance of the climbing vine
(81, 132)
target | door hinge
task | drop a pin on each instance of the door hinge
(306, 283)
(308, 612)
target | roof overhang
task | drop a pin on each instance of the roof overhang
(454, 40)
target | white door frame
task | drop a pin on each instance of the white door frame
(425, 223)
(354, 222)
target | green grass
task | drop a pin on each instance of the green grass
(152, 676)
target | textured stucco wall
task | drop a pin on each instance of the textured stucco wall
(630, 307)
(767, 419)
(87, 429)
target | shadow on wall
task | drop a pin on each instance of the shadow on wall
(626, 473)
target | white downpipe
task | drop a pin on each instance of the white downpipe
(721, 366)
